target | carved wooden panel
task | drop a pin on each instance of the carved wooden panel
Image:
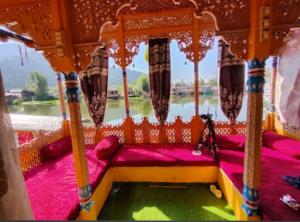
(37, 19)
(153, 133)
(32, 19)
(29, 153)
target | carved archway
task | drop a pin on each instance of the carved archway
(195, 36)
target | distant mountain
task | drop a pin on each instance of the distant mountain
(15, 74)
(115, 77)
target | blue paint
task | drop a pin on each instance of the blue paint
(256, 84)
(251, 197)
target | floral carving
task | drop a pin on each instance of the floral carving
(132, 44)
(158, 21)
(185, 43)
(83, 55)
(114, 50)
(33, 19)
(238, 43)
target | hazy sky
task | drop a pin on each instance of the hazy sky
(180, 71)
(208, 66)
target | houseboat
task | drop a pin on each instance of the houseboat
(113, 94)
(181, 170)
(131, 92)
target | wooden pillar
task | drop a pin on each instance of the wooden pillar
(251, 178)
(125, 90)
(76, 128)
(196, 87)
(273, 81)
(61, 97)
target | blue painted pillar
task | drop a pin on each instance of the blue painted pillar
(255, 85)
(77, 135)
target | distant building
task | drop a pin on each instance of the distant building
(113, 94)
(27, 95)
(16, 92)
(131, 92)
(13, 95)
(207, 90)
(182, 90)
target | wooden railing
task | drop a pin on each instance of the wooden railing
(29, 152)
(129, 132)
(149, 133)
(145, 132)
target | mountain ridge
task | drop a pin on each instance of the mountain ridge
(15, 73)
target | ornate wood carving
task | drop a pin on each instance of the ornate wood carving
(33, 19)
(285, 15)
(238, 42)
(38, 19)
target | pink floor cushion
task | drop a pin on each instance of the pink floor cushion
(235, 142)
(24, 137)
(52, 187)
(107, 147)
(274, 166)
(283, 144)
(56, 149)
(161, 155)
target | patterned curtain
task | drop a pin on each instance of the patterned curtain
(160, 77)
(231, 82)
(94, 83)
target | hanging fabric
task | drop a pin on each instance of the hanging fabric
(288, 83)
(160, 77)
(94, 83)
(231, 82)
(26, 54)
(14, 202)
(21, 56)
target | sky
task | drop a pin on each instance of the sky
(181, 68)
(180, 71)
(208, 67)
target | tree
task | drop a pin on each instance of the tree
(37, 83)
(142, 83)
(213, 82)
(202, 82)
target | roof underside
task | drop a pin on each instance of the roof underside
(69, 30)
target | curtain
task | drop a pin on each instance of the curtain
(94, 83)
(288, 83)
(231, 82)
(160, 77)
(14, 203)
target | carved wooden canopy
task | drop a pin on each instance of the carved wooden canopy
(67, 31)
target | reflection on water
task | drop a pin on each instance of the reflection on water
(139, 108)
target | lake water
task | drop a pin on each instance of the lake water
(139, 108)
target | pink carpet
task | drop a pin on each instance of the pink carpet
(52, 187)
(274, 165)
(161, 155)
(231, 142)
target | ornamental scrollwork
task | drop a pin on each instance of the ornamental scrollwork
(132, 45)
(238, 43)
(33, 19)
(185, 43)
(158, 22)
